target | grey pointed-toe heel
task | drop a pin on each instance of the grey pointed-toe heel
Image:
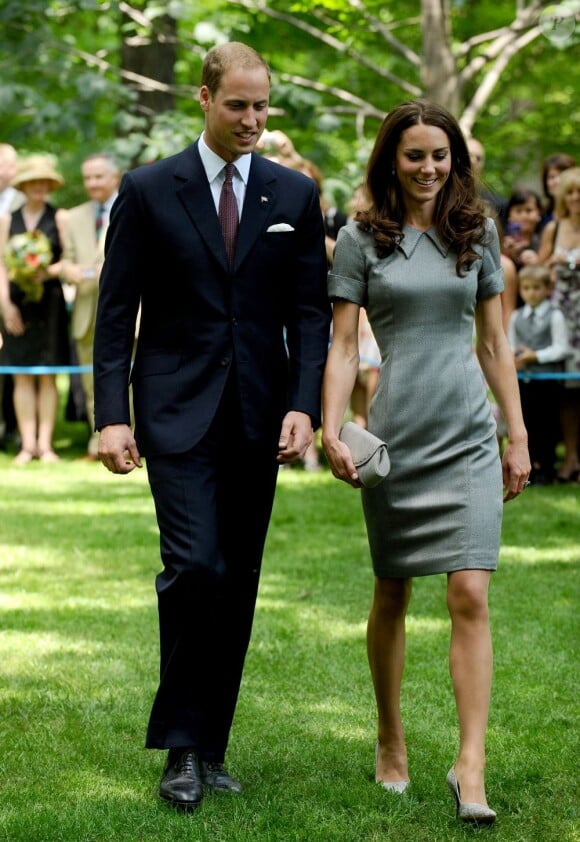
(469, 811)
(390, 786)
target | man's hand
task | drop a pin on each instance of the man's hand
(117, 449)
(295, 437)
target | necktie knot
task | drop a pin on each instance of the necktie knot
(230, 170)
(228, 213)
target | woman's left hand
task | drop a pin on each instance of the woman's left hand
(516, 469)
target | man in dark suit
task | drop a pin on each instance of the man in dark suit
(226, 387)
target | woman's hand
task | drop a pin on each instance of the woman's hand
(524, 356)
(528, 257)
(340, 461)
(40, 276)
(12, 319)
(516, 469)
(512, 246)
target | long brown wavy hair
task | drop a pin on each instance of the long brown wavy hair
(459, 214)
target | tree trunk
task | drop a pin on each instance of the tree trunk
(151, 56)
(439, 72)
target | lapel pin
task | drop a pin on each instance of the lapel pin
(263, 198)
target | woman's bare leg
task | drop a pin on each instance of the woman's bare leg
(471, 662)
(25, 399)
(47, 409)
(386, 654)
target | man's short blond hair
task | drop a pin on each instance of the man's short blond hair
(225, 56)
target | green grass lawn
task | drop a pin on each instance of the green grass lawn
(78, 664)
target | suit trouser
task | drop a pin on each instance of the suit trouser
(213, 507)
(84, 348)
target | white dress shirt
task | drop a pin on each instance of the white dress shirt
(559, 349)
(214, 167)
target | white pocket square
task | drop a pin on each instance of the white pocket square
(280, 226)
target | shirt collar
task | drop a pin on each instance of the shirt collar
(540, 310)
(214, 165)
(412, 237)
(108, 204)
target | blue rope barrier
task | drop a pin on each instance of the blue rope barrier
(45, 369)
(549, 375)
(86, 369)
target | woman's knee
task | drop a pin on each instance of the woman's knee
(391, 596)
(467, 594)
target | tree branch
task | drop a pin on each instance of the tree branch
(468, 45)
(379, 27)
(330, 41)
(339, 93)
(137, 16)
(491, 79)
(526, 18)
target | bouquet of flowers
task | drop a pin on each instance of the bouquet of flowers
(24, 255)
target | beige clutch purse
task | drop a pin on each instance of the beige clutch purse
(369, 453)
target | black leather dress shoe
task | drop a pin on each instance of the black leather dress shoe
(214, 776)
(181, 783)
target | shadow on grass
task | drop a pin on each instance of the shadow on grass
(79, 663)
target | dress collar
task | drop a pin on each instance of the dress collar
(412, 237)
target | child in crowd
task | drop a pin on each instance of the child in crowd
(521, 240)
(538, 336)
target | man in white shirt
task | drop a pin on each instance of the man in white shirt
(83, 255)
(224, 253)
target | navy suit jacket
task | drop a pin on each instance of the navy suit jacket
(266, 320)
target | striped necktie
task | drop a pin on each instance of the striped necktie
(99, 220)
(228, 213)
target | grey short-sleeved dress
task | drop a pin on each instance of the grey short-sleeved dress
(440, 508)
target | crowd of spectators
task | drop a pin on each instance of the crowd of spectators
(61, 253)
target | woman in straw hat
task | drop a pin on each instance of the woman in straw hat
(34, 321)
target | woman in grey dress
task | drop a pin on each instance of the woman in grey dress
(425, 263)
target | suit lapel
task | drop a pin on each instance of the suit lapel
(258, 205)
(194, 193)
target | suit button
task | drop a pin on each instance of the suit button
(225, 361)
(234, 320)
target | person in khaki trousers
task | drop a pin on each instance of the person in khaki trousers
(83, 256)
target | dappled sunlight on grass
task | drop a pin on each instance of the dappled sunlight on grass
(29, 654)
(79, 667)
(27, 601)
(568, 554)
(429, 625)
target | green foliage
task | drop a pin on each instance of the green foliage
(64, 91)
